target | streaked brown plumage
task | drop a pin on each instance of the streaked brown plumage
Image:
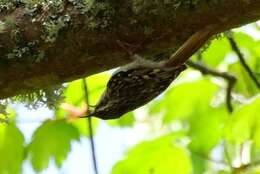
(134, 85)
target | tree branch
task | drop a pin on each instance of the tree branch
(242, 60)
(231, 79)
(41, 47)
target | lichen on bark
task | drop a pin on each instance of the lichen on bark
(70, 39)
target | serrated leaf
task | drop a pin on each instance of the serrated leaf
(158, 156)
(52, 140)
(11, 149)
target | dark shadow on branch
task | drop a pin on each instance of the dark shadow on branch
(242, 60)
(231, 79)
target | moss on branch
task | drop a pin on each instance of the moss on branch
(45, 43)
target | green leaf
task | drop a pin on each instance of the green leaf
(198, 164)
(216, 53)
(255, 171)
(244, 85)
(74, 94)
(11, 149)
(251, 49)
(96, 85)
(191, 104)
(245, 41)
(207, 126)
(158, 156)
(245, 124)
(82, 125)
(182, 101)
(51, 140)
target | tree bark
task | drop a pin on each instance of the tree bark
(42, 46)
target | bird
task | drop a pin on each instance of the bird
(134, 85)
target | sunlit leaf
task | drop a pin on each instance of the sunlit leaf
(52, 140)
(191, 102)
(216, 53)
(82, 125)
(244, 85)
(249, 48)
(245, 124)
(75, 94)
(159, 156)
(184, 100)
(11, 149)
(254, 171)
(207, 126)
(198, 164)
(245, 41)
(96, 85)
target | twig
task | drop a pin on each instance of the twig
(231, 79)
(245, 167)
(90, 127)
(242, 60)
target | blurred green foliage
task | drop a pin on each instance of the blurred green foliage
(190, 129)
(161, 155)
(58, 136)
(11, 149)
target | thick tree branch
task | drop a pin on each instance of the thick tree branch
(40, 47)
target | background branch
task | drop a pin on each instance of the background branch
(231, 79)
(242, 60)
(90, 128)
